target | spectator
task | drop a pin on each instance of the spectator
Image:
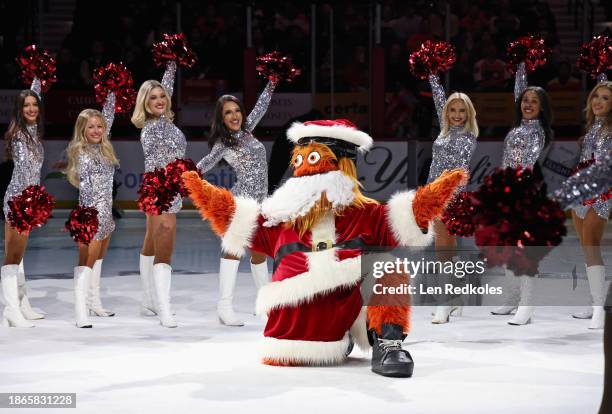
(95, 60)
(356, 73)
(490, 72)
(564, 80)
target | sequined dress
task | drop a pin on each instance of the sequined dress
(455, 148)
(525, 142)
(28, 155)
(162, 141)
(248, 156)
(596, 144)
(96, 177)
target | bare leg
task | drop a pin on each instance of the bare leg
(164, 233)
(592, 233)
(14, 245)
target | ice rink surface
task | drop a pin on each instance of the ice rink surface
(130, 364)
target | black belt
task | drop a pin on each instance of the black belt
(293, 247)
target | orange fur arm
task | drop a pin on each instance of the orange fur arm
(215, 204)
(431, 199)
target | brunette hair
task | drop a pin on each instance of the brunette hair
(18, 123)
(545, 116)
(218, 130)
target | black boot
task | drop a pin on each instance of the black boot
(389, 359)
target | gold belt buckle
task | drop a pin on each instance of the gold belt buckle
(322, 245)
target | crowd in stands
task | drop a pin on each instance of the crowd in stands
(479, 29)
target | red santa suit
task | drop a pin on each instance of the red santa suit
(314, 298)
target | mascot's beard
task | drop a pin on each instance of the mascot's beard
(299, 195)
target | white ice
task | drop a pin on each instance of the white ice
(130, 364)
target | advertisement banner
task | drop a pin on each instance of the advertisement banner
(382, 171)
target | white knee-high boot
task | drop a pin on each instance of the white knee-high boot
(162, 280)
(524, 312)
(82, 274)
(597, 285)
(260, 274)
(228, 271)
(93, 300)
(148, 307)
(24, 302)
(511, 295)
(12, 315)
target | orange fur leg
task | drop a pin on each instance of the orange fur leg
(431, 200)
(396, 315)
(214, 203)
(390, 308)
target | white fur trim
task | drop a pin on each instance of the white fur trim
(403, 223)
(325, 274)
(359, 330)
(242, 227)
(344, 133)
(296, 197)
(305, 352)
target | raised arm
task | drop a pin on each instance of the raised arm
(260, 107)
(520, 81)
(168, 78)
(438, 94)
(212, 158)
(108, 111)
(36, 87)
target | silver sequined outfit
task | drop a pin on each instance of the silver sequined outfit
(596, 144)
(453, 150)
(248, 156)
(96, 178)
(162, 141)
(28, 155)
(524, 143)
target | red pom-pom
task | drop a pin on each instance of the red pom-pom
(82, 224)
(173, 48)
(154, 197)
(528, 49)
(37, 63)
(276, 67)
(431, 58)
(161, 186)
(458, 216)
(30, 209)
(596, 56)
(116, 78)
(175, 169)
(512, 209)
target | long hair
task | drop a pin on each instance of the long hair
(590, 116)
(471, 126)
(347, 166)
(79, 144)
(218, 130)
(18, 122)
(141, 109)
(545, 116)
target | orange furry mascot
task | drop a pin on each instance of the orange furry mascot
(315, 227)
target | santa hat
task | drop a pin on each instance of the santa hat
(341, 132)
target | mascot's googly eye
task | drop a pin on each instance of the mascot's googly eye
(299, 159)
(314, 157)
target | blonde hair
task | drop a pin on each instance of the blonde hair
(79, 144)
(471, 126)
(141, 109)
(347, 166)
(590, 116)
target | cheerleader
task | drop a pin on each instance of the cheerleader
(522, 147)
(590, 220)
(162, 143)
(232, 139)
(24, 147)
(452, 149)
(91, 167)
